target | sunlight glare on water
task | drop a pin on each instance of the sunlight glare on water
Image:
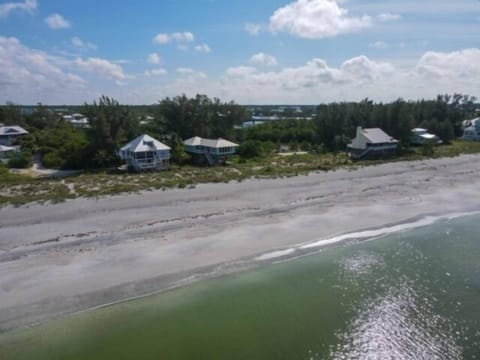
(399, 325)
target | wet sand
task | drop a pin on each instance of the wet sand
(62, 258)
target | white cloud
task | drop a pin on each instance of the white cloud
(102, 68)
(82, 45)
(356, 78)
(379, 45)
(263, 59)
(459, 65)
(183, 70)
(361, 68)
(153, 58)
(240, 71)
(161, 38)
(183, 36)
(389, 17)
(31, 76)
(156, 72)
(253, 29)
(316, 19)
(164, 38)
(57, 21)
(190, 73)
(27, 5)
(203, 48)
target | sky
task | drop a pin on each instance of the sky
(248, 51)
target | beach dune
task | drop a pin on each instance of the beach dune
(58, 259)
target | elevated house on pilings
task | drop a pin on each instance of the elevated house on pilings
(9, 135)
(209, 151)
(145, 153)
(471, 129)
(372, 143)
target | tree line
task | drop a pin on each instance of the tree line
(334, 125)
(330, 128)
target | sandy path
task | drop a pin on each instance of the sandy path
(57, 259)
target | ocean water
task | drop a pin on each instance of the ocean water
(411, 294)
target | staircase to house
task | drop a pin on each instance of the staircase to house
(362, 154)
(209, 158)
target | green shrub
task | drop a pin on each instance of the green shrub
(428, 149)
(250, 149)
(21, 160)
(52, 160)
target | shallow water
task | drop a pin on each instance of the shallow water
(409, 295)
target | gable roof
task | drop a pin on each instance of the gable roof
(377, 136)
(474, 123)
(211, 143)
(12, 130)
(144, 143)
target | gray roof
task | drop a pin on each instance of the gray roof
(211, 143)
(378, 136)
(144, 143)
(12, 130)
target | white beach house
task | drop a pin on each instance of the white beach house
(10, 134)
(145, 153)
(420, 136)
(471, 129)
(210, 151)
(78, 121)
(372, 143)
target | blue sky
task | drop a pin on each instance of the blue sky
(252, 52)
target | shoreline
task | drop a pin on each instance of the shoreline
(85, 252)
(287, 255)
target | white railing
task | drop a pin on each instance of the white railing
(150, 164)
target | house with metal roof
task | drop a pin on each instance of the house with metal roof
(372, 143)
(420, 136)
(145, 153)
(471, 129)
(10, 134)
(78, 121)
(209, 151)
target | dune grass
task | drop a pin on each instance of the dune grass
(18, 189)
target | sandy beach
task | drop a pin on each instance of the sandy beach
(63, 258)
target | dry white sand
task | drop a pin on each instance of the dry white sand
(62, 258)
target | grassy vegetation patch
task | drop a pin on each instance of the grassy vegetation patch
(21, 189)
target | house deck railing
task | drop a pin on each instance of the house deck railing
(150, 164)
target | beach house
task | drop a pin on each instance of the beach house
(372, 143)
(209, 151)
(6, 152)
(420, 136)
(78, 121)
(10, 134)
(145, 153)
(471, 129)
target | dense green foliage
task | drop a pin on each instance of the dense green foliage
(327, 127)
(112, 125)
(198, 116)
(63, 147)
(20, 160)
(334, 125)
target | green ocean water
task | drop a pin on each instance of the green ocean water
(410, 295)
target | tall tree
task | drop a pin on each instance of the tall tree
(112, 125)
(199, 116)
